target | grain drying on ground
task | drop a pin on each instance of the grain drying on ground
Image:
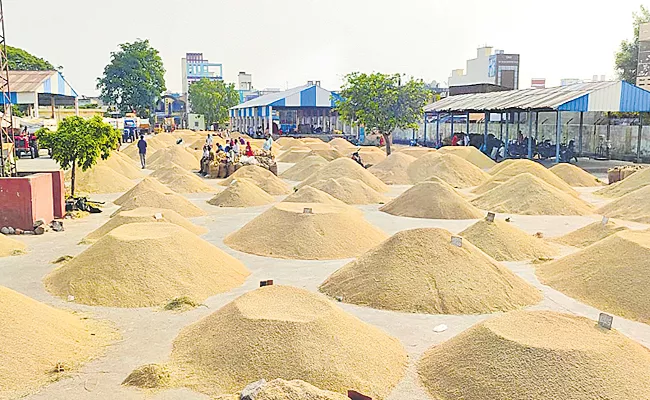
(37, 337)
(611, 275)
(310, 194)
(575, 176)
(153, 145)
(301, 170)
(123, 165)
(346, 167)
(101, 179)
(589, 234)
(505, 242)
(286, 231)
(450, 168)
(416, 152)
(525, 167)
(370, 155)
(537, 355)
(280, 389)
(262, 177)
(242, 193)
(294, 155)
(432, 200)
(146, 185)
(350, 191)
(190, 183)
(328, 154)
(155, 199)
(178, 155)
(528, 195)
(166, 138)
(628, 185)
(11, 247)
(420, 271)
(286, 142)
(145, 265)
(634, 206)
(503, 165)
(471, 154)
(149, 376)
(393, 170)
(341, 144)
(288, 333)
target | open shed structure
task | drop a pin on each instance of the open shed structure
(40, 89)
(610, 96)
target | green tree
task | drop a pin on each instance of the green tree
(134, 79)
(20, 60)
(213, 99)
(79, 143)
(382, 102)
(627, 58)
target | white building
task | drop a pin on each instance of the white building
(496, 68)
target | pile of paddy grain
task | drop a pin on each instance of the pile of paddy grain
(262, 177)
(10, 247)
(575, 176)
(144, 265)
(156, 199)
(294, 155)
(432, 200)
(242, 193)
(450, 168)
(190, 183)
(589, 234)
(628, 185)
(341, 144)
(287, 231)
(421, 271)
(370, 155)
(178, 155)
(35, 337)
(280, 389)
(310, 194)
(528, 195)
(393, 170)
(168, 139)
(122, 164)
(505, 242)
(287, 333)
(520, 167)
(286, 142)
(350, 191)
(168, 174)
(101, 179)
(471, 154)
(634, 206)
(416, 152)
(304, 168)
(611, 275)
(346, 167)
(504, 164)
(153, 146)
(537, 355)
(143, 214)
(328, 154)
(146, 185)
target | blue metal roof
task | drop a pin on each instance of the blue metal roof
(301, 96)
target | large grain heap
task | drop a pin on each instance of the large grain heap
(421, 271)
(122, 164)
(611, 275)
(153, 145)
(304, 168)
(146, 185)
(101, 179)
(288, 333)
(589, 234)
(432, 200)
(505, 242)
(525, 167)
(634, 206)
(450, 168)
(35, 337)
(370, 155)
(416, 152)
(328, 154)
(326, 232)
(262, 177)
(242, 193)
(310, 194)
(285, 142)
(342, 145)
(628, 185)
(190, 183)
(346, 167)
(393, 170)
(178, 155)
(537, 355)
(10, 247)
(155, 199)
(350, 191)
(575, 176)
(504, 164)
(528, 195)
(294, 155)
(471, 154)
(144, 265)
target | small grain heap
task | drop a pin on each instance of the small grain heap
(35, 337)
(634, 206)
(589, 234)
(505, 242)
(294, 155)
(155, 199)
(538, 355)
(525, 167)
(416, 152)
(288, 333)
(146, 185)
(346, 167)
(629, 185)
(145, 265)
(432, 200)
(611, 275)
(123, 165)
(528, 195)
(10, 247)
(310, 194)
(242, 193)
(393, 170)
(178, 155)
(279, 389)
(304, 168)
(262, 177)
(471, 154)
(350, 191)
(450, 168)
(326, 232)
(421, 271)
(101, 179)
(575, 176)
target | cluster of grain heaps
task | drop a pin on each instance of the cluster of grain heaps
(101, 179)
(634, 206)
(628, 185)
(288, 333)
(37, 338)
(393, 170)
(122, 164)
(294, 155)
(520, 167)
(537, 355)
(416, 152)
(432, 200)
(304, 168)
(309, 194)
(143, 214)
(156, 199)
(10, 247)
(575, 176)
(153, 145)
(350, 191)
(450, 168)
(146, 185)
(181, 180)
(471, 154)
(589, 234)
(345, 167)
(178, 155)
(262, 177)
(242, 193)
(144, 265)
(505, 242)
(421, 271)
(528, 195)
(323, 232)
(611, 275)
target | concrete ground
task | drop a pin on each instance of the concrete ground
(147, 333)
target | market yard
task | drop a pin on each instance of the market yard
(158, 297)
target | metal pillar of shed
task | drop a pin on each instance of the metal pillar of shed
(486, 132)
(425, 132)
(638, 139)
(501, 128)
(508, 115)
(582, 120)
(558, 134)
(437, 131)
(452, 124)
(467, 126)
(609, 130)
(530, 135)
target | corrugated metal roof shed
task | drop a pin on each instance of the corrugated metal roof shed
(42, 82)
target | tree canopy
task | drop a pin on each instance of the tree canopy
(627, 58)
(134, 79)
(20, 60)
(382, 102)
(79, 142)
(212, 99)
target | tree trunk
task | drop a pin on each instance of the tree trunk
(387, 137)
(74, 176)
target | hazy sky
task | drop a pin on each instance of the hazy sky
(287, 42)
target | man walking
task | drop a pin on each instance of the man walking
(142, 149)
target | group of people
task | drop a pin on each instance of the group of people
(234, 148)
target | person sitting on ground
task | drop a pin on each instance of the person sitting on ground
(205, 159)
(357, 158)
(219, 147)
(142, 150)
(249, 150)
(242, 141)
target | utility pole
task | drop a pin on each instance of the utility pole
(7, 149)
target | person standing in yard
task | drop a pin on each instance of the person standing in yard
(142, 150)
(268, 143)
